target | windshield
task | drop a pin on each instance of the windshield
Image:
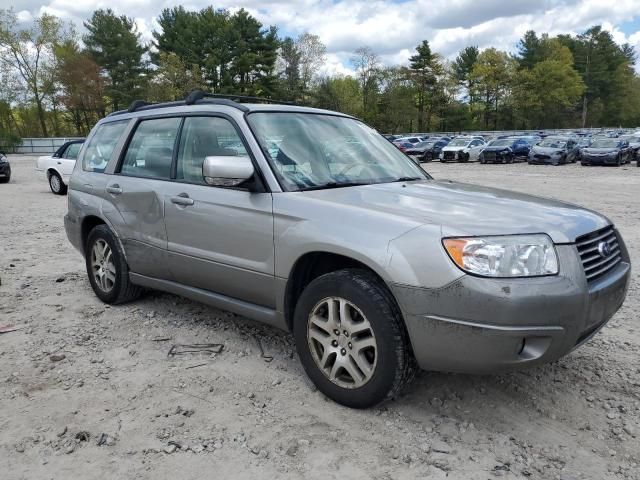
(423, 144)
(605, 143)
(314, 151)
(504, 142)
(553, 143)
(459, 142)
(632, 138)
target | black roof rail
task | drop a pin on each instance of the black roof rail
(196, 95)
(228, 100)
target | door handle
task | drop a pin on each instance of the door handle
(114, 189)
(182, 199)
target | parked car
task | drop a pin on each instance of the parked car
(427, 150)
(634, 143)
(374, 265)
(607, 151)
(5, 168)
(411, 140)
(403, 146)
(554, 151)
(504, 150)
(462, 149)
(58, 167)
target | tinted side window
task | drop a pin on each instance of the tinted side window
(203, 137)
(72, 151)
(150, 150)
(101, 146)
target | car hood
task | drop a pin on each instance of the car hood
(546, 150)
(453, 148)
(495, 149)
(600, 151)
(465, 209)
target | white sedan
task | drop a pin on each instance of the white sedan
(462, 149)
(58, 167)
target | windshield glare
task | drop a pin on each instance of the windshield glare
(605, 143)
(311, 150)
(459, 142)
(553, 143)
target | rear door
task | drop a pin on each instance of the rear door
(135, 194)
(68, 159)
(219, 238)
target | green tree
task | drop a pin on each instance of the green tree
(288, 70)
(173, 79)
(114, 43)
(81, 87)
(424, 69)
(367, 65)
(28, 52)
(463, 66)
(548, 90)
(339, 93)
(492, 75)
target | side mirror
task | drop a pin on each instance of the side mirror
(227, 171)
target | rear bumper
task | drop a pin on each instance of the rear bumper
(74, 232)
(481, 325)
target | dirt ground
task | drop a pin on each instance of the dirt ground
(88, 391)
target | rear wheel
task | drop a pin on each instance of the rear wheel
(351, 338)
(107, 269)
(56, 184)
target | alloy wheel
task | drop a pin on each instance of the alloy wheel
(342, 342)
(102, 265)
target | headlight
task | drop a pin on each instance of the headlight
(504, 256)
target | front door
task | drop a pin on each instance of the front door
(219, 239)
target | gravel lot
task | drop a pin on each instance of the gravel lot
(88, 391)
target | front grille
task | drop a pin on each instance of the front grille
(594, 262)
(449, 155)
(539, 156)
(489, 155)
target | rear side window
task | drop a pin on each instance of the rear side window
(204, 137)
(72, 151)
(101, 145)
(150, 150)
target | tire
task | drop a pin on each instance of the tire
(466, 158)
(585, 164)
(369, 302)
(56, 184)
(483, 161)
(5, 180)
(510, 159)
(117, 288)
(618, 161)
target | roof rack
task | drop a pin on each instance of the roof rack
(229, 100)
(196, 95)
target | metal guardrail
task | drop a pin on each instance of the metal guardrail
(38, 146)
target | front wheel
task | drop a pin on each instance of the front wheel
(351, 338)
(107, 268)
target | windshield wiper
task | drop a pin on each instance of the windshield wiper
(328, 185)
(407, 179)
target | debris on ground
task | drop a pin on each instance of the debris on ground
(182, 349)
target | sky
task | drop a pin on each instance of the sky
(392, 28)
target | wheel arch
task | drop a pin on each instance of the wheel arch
(51, 170)
(314, 264)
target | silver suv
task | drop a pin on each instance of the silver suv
(311, 221)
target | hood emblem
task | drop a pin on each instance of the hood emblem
(604, 249)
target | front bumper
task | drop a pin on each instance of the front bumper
(5, 170)
(599, 159)
(482, 325)
(544, 159)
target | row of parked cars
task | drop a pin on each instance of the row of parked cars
(605, 149)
